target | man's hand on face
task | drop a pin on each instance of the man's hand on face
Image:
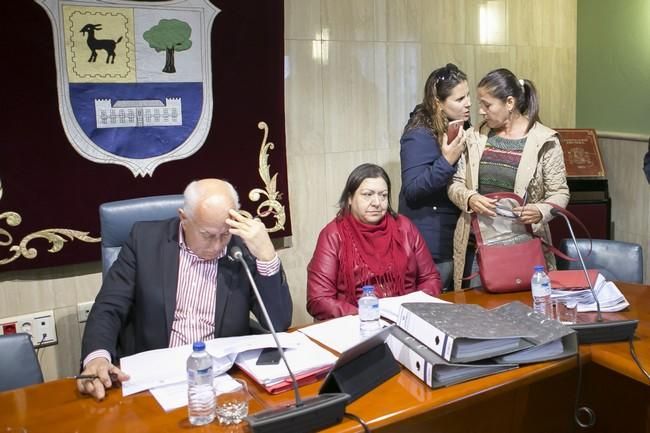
(253, 233)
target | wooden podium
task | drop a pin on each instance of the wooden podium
(587, 181)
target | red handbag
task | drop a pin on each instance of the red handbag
(506, 261)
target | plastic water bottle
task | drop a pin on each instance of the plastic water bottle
(541, 287)
(368, 312)
(201, 405)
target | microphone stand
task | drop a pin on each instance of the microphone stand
(601, 331)
(599, 316)
(308, 415)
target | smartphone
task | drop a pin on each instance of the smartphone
(453, 129)
(269, 356)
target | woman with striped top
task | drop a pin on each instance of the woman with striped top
(509, 151)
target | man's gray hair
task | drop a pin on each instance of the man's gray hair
(192, 194)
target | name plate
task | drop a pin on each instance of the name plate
(581, 153)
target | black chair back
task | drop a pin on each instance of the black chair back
(117, 217)
(620, 261)
(18, 363)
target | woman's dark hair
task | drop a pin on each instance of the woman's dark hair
(437, 88)
(356, 177)
(502, 83)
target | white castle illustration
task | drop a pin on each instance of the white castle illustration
(137, 113)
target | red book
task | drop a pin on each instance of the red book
(572, 279)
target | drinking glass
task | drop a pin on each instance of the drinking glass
(232, 402)
(566, 311)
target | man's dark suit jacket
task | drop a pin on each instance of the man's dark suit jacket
(140, 289)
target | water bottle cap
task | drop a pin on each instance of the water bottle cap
(539, 268)
(198, 346)
(368, 288)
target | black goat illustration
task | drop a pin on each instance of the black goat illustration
(99, 44)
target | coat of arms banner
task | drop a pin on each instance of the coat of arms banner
(115, 99)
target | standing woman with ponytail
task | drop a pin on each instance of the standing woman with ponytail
(428, 161)
(510, 151)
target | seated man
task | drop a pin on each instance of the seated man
(177, 282)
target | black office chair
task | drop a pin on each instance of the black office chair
(19, 365)
(616, 260)
(117, 217)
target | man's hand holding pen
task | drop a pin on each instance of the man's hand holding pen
(99, 375)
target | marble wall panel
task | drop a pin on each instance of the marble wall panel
(403, 86)
(344, 20)
(354, 97)
(303, 95)
(628, 189)
(302, 19)
(404, 20)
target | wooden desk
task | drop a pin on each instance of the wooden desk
(514, 401)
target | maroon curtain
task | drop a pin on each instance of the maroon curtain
(50, 185)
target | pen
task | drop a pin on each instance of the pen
(113, 376)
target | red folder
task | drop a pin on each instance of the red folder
(572, 279)
(304, 378)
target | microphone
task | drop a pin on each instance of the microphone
(601, 331)
(307, 415)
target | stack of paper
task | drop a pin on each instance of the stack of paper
(166, 368)
(173, 396)
(339, 334)
(610, 297)
(309, 362)
(389, 307)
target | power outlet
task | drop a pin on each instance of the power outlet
(83, 310)
(43, 329)
(41, 326)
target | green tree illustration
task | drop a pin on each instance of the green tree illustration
(169, 36)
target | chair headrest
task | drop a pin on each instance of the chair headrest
(116, 218)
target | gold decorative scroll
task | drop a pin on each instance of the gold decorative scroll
(271, 206)
(56, 237)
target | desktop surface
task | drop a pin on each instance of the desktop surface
(513, 401)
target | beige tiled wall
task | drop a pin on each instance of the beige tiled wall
(630, 192)
(355, 68)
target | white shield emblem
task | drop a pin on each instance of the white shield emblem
(134, 78)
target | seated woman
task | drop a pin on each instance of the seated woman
(367, 243)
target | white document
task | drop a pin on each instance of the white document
(155, 368)
(389, 307)
(171, 397)
(610, 297)
(338, 334)
(308, 356)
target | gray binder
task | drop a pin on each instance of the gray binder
(431, 368)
